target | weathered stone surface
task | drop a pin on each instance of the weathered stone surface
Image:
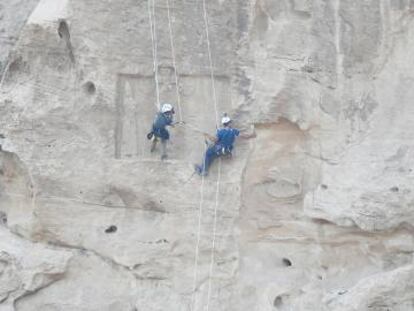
(313, 212)
(27, 268)
(13, 15)
(391, 290)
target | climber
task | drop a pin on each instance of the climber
(163, 119)
(222, 145)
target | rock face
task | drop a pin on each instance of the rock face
(312, 212)
(13, 15)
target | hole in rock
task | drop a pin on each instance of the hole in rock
(16, 65)
(89, 88)
(3, 218)
(324, 187)
(64, 34)
(286, 262)
(278, 302)
(394, 189)
(162, 241)
(308, 68)
(63, 30)
(321, 221)
(111, 229)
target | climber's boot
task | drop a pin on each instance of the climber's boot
(199, 170)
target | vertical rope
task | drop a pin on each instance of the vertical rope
(197, 250)
(212, 257)
(213, 85)
(180, 116)
(213, 247)
(4, 74)
(152, 21)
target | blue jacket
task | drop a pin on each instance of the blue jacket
(161, 121)
(226, 137)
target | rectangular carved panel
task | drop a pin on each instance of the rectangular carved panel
(136, 108)
(135, 104)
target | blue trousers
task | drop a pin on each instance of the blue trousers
(209, 157)
(161, 133)
(212, 153)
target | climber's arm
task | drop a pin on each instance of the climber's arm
(210, 137)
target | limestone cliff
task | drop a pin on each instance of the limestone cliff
(314, 212)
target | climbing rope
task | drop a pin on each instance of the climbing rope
(216, 203)
(197, 250)
(152, 21)
(154, 44)
(200, 207)
(4, 74)
(180, 116)
(213, 85)
(212, 256)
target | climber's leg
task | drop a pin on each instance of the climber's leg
(209, 158)
(164, 149)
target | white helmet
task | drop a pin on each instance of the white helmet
(225, 120)
(166, 108)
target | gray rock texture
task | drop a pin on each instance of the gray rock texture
(13, 15)
(315, 209)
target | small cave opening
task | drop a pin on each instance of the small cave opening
(14, 67)
(287, 262)
(278, 302)
(64, 34)
(111, 229)
(89, 88)
(3, 218)
(16, 64)
(63, 30)
(395, 189)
